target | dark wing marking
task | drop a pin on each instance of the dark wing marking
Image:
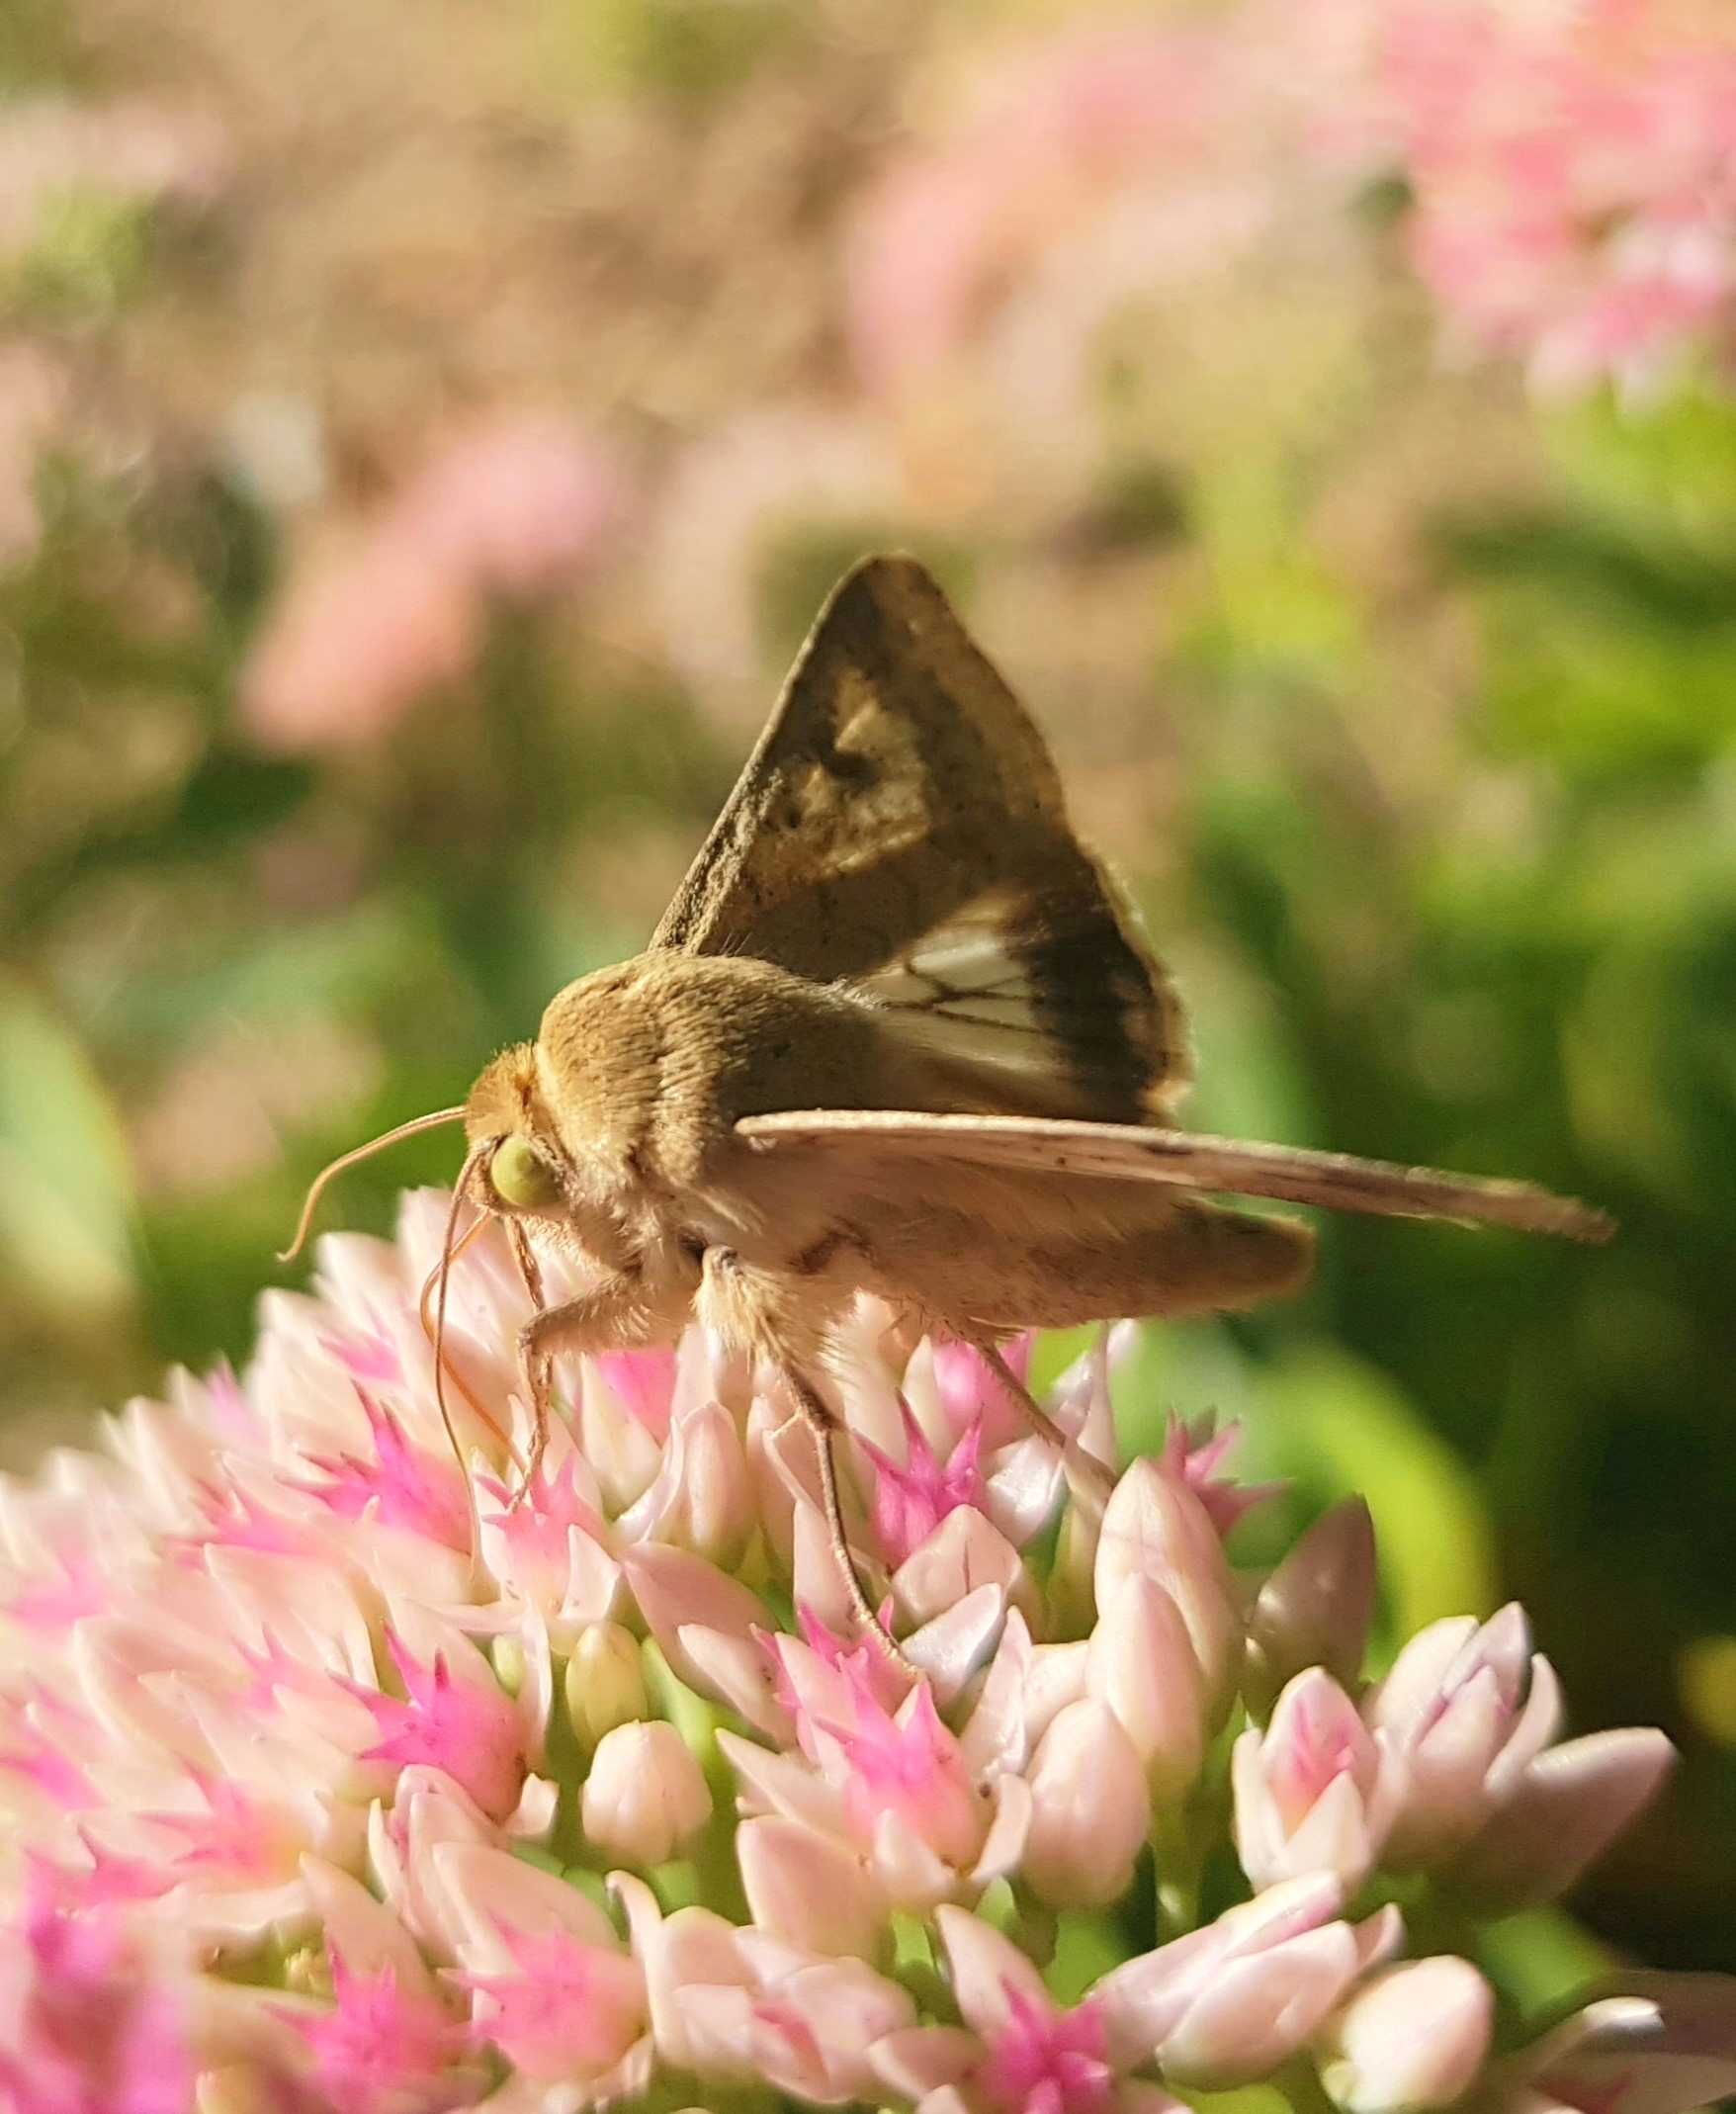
(1338, 1182)
(900, 826)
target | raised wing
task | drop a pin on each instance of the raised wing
(900, 827)
(1119, 1152)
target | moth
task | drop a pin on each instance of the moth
(899, 1033)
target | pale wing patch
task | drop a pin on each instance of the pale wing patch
(967, 968)
(969, 996)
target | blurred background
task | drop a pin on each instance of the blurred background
(427, 428)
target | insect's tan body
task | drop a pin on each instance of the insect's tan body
(635, 1087)
(897, 1034)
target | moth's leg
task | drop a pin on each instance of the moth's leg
(531, 1273)
(754, 1309)
(1098, 1478)
(609, 1314)
(824, 1426)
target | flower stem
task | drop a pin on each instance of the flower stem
(1299, 2082)
(1175, 1855)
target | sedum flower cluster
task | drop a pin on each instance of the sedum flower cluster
(341, 1781)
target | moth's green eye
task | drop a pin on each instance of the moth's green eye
(521, 1176)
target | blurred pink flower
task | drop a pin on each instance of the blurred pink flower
(400, 608)
(1574, 174)
(381, 2049)
(86, 2028)
(1570, 167)
(1057, 132)
(1657, 2043)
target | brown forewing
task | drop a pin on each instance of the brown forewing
(901, 826)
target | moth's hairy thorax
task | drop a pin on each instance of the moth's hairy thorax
(645, 1068)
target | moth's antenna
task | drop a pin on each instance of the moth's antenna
(425, 1314)
(328, 1174)
(448, 1250)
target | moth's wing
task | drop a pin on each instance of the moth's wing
(1119, 1152)
(900, 827)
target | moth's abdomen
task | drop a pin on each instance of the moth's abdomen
(1054, 1251)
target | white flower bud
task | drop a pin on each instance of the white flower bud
(1159, 1529)
(646, 1798)
(1140, 1663)
(1090, 1810)
(1415, 2038)
(605, 1683)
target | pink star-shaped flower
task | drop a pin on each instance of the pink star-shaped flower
(567, 2009)
(537, 1525)
(913, 1498)
(1192, 1454)
(1046, 2061)
(383, 2050)
(471, 1729)
(404, 1485)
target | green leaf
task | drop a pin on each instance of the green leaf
(1542, 1957)
(65, 1187)
(1086, 1947)
(1347, 1429)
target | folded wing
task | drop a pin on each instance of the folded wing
(1337, 1182)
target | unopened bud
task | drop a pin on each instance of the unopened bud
(1316, 1609)
(1140, 1663)
(507, 1656)
(1415, 2038)
(1159, 1529)
(1090, 1810)
(713, 1514)
(646, 1798)
(605, 1683)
